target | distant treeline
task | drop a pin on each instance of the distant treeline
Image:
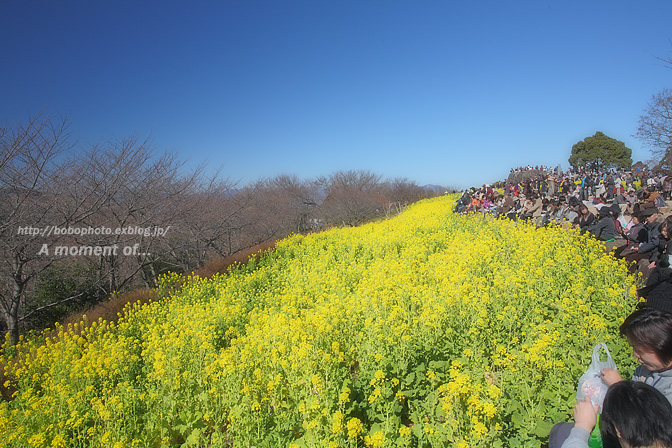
(81, 223)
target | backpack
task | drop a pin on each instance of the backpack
(659, 202)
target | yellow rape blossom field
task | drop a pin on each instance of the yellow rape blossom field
(429, 329)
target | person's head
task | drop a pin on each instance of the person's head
(652, 216)
(604, 212)
(665, 229)
(648, 212)
(637, 414)
(649, 333)
(615, 210)
(583, 210)
(636, 219)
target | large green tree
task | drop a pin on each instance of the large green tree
(599, 152)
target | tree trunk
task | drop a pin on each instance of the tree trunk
(13, 324)
(12, 320)
(12, 315)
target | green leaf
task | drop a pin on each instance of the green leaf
(438, 365)
(193, 438)
(543, 429)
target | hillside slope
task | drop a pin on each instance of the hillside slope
(429, 329)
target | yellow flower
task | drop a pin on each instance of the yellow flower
(58, 441)
(376, 393)
(494, 392)
(344, 397)
(354, 427)
(376, 440)
(337, 424)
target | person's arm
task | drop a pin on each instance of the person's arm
(650, 244)
(585, 414)
(667, 391)
(585, 419)
(657, 253)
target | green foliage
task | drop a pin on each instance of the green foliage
(600, 151)
(69, 288)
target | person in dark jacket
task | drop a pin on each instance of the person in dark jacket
(603, 229)
(659, 260)
(610, 186)
(644, 249)
(585, 218)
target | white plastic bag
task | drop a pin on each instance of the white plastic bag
(590, 383)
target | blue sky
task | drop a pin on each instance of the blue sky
(440, 92)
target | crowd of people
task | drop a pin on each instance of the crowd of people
(628, 212)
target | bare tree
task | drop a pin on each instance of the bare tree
(140, 206)
(230, 221)
(285, 205)
(30, 180)
(161, 210)
(114, 215)
(655, 127)
(404, 191)
(667, 61)
(218, 226)
(352, 198)
(110, 206)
